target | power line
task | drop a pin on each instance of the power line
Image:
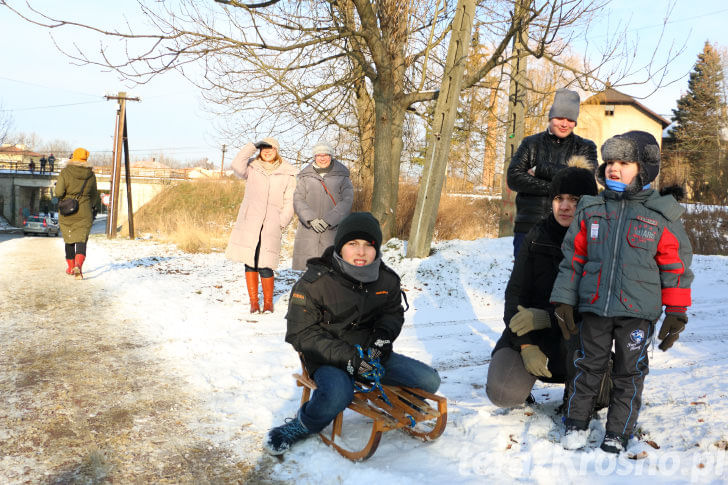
(52, 106)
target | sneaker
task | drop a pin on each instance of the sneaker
(614, 442)
(576, 435)
(280, 439)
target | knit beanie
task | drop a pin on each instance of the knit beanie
(566, 105)
(322, 148)
(80, 155)
(576, 179)
(268, 142)
(634, 146)
(358, 225)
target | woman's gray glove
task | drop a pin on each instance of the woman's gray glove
(318, 225)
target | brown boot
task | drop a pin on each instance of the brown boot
(80, 258)
(267, 294)
(251, 279)
(71, 263)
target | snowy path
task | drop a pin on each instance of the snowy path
(157, 373)
(85, 397)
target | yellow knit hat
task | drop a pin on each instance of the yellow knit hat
(80, 155)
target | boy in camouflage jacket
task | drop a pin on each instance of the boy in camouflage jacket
(626, 254)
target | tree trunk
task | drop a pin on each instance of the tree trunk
(438, 144)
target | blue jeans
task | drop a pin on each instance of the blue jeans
(335, 388)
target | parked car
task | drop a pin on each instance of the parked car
(41, 224)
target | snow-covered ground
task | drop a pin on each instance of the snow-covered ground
(194, 306)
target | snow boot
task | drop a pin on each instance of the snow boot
(280, 439)
(80, 258)
(71, 263)
(576, 435)
(251, 280)
(614, 442)
(267, 284)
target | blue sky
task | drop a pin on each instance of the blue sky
(57, 100)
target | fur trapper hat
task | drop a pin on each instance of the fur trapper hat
(634, 146)
(576, 179)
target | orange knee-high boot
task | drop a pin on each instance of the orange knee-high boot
(71, 263)
(80, 258)
(251, 280)
(267, 294)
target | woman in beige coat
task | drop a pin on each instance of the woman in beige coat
(266, 210)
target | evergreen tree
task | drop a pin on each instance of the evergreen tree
(702, 121)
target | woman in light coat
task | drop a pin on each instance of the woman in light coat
(78, 181)
(266, 210)
(323, 198)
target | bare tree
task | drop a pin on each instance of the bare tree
(6, 124)
(334, 67)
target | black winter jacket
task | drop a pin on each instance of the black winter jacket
(329, 313)
(530, 284)
(548, 154)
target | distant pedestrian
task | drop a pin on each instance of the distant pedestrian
(42, 164)
(266, 210)
(78, 181)
(31, 166)
(51, 161)
(323, 198)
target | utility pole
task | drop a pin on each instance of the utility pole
(120, 142)
(516, 118)
(222, 163)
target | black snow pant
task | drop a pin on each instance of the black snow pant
(631, 337)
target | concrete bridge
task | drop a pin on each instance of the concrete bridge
(24, 192)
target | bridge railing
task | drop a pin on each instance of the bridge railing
(24, 167)
(159, 173)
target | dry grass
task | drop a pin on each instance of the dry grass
(458, 217)
(197, 216)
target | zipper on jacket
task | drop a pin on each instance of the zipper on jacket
(617, 238)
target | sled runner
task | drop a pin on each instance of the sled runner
(399, 408)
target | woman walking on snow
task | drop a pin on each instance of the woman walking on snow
(323, 197)
(266, 210)
(77, 181)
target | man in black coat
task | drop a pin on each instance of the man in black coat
(540, 156)
(532, 347)
(347, 300)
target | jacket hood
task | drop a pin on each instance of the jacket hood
(79, 170)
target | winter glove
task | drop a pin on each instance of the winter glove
(672, 325)
(565, 318)
(318, 225)
(262, 144)
(535, 361)
(358, 366)
(381, 349)
(529, 319)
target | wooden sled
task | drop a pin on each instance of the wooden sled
(409, 407)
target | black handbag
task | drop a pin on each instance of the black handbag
(70, 206)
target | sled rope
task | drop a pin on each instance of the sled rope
(375, 376)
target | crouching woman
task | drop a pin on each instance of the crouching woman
(346, 298)
(531, 347)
